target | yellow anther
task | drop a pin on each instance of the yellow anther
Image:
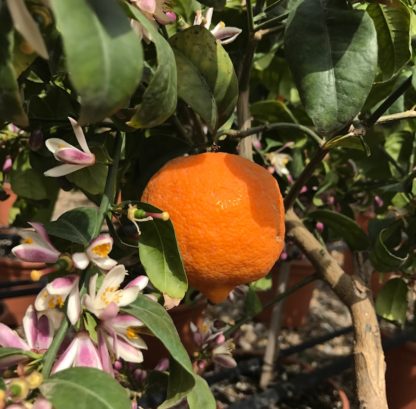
(28, 240)
(165, 216)
(102, 250)
(131, 333)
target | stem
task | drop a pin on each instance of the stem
(52, 352)
(276, 19)
(280, 297)
(250, 19)
(388, 102)
(271, 127)
(110, 184)
(385, 119)
(368, 353)
(304, 177)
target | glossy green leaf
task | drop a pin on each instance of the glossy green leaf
(392, 23)
(348, 141)
(271, 111)
(332, 53)
(29, 183)
(103, 54)
(197, 45)
(77, 225)
(195, 91)
(342, 226)
(159, 254)
(11, 108)
(26, 26)
(391, 301)
(382, 255)
(90, 179)
(201, 396)
(90, 388)
(158, 321)
(160, 97)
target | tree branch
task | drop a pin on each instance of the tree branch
(368, 352)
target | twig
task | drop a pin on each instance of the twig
(388, 102)
(270, 127)
(301, 283)
(276, 19)
(411, 113)
(273, 346)
(368, 352)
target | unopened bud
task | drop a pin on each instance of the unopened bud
(34, 380)
(7, 165)
(36, 140)
(19, 389)
(320, 227)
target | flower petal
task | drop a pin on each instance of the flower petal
(73, 310)
(63, 170)
(45, 333)
(10, 339)
(66, 360)
(140, 282)
(104, 354)
(127, 296)
(224, 360)
(41, 403)
(75, 156)
(124, 321)
(41, 231)
(225, 35)
(79, 134)
(81, 260)
(62, 285)
(148, 6)
(33, 253)
(105, 263)
(127, 352)
(109, 312)
(30, 321)
(112, 279)
(87, 354)
(100, 247)
(55, 144)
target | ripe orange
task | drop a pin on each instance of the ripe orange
(228, 216)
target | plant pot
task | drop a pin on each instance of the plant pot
(6, 317)
(182, 316)
(13, 270)
(6, 205)
(296, 306)
(401, 376)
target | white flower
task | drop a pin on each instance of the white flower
(97, 252)
(105, 301)
(74, 159)
(225, 35)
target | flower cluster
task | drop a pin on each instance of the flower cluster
(117, 334)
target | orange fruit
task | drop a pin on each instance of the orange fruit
(228, 217)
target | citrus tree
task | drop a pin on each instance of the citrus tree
(98, 95)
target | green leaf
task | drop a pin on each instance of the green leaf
(332, 53)
(29, 183)
(103, 54)
(158, 321)
(200, 51)
(262, 284)
(384, 259)
(16, 352)
(391, 302)
(252, 303)
(27, 27)
(2, 385)
(342, 226)
(392, 23)
(11, 108)
(350, 142)
(201, 396)
(195, 91)
(90, 388)
(76, 226)
(90, 179)
(159, 99)
(271, 111)
(159, 254)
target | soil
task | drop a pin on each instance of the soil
(327, 314)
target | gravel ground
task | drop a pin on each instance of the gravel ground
(327, 314)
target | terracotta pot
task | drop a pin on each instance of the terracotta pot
(6, 205)
(401, 376)
(13, 270)
(182, 316)
(296, 306)
(6, 317)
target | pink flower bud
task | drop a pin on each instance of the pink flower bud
(320, 227)
(7, 165)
